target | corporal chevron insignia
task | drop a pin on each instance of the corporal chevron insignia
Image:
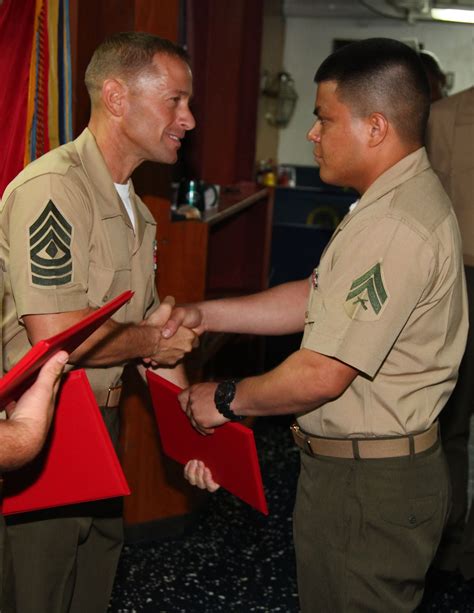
(50, 248)
(367, 295)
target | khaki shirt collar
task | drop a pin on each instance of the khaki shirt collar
(109, 200)
(99, 175)
(408, 167)
(403, 170)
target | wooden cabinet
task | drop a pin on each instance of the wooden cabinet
(227, 253)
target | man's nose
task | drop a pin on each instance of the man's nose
(186, 120)
(313, 132)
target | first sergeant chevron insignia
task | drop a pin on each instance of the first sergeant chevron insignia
(50, 248)
(367, 295)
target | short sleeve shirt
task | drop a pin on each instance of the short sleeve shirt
(68, 244)
(450, 145)
(389, 299)
(2, 414)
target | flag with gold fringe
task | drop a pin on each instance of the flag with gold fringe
(36, 105)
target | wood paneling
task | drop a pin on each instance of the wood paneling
(91, 22)
(160, 17)
(182, 254)
(224, 40)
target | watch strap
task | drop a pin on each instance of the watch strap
(223, 396)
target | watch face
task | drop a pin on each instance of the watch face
(225, 392)
(223, 396)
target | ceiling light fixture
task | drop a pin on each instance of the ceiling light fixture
(455, 15)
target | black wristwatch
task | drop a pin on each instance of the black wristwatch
(223, 396)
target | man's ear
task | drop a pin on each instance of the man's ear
(113, 96)
(378, 128)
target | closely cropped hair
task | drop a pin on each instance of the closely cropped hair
(126, 55)
(382, 75)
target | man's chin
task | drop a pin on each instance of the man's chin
(326, 176)
(170, 157)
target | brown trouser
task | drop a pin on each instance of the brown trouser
(366, 531)
(65, 559)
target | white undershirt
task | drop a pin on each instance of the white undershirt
(353, 206)
(123, 191)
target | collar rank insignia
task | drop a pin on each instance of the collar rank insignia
(315, 278)
(50, 248)
(155, 255)
(367, 295)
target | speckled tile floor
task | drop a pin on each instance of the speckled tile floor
(235, 560)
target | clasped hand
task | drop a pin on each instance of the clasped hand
(179, 332)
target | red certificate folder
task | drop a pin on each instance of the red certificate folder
(230, 452)
(78, 462)
(22, 375)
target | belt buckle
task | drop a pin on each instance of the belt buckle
(296, 431)
(110, 391)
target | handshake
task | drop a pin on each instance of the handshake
(175, 331)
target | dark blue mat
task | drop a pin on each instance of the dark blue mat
(235, 560)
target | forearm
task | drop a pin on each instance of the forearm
(112, 343)
(304, 381)
(24, 433)
(115, 343)
(278, 310)
(20, 441)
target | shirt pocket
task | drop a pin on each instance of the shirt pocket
(105, 284)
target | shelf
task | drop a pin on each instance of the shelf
(233, 200)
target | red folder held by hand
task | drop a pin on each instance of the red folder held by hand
(229, 453)
(78, 462)
(22, 375)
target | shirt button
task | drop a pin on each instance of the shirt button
(412, 519)
(105, 298)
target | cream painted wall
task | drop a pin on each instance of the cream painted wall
(272, 61)
(308, 41)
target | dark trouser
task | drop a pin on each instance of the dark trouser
(366, 531)
(457, 546)
(7, 593)
(65, 559)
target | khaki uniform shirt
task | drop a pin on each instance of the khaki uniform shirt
(2, 412)
(1, 319)
(68, 244)
(389, 299)
(450, 145)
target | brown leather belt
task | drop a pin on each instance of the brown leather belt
(366, 449)
(110, 397)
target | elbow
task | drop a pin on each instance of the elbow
(338, 380)
(332, 381)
